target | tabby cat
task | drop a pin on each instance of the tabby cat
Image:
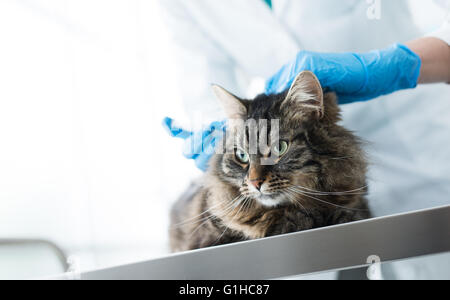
(317, 179)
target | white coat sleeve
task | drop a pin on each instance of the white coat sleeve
(443, 32)
(225, 42)
(200, 62)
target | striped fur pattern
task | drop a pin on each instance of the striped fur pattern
(319, 181)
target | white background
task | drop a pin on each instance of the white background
(84, 161)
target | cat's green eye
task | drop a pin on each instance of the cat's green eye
(281, 148)
(242, 156)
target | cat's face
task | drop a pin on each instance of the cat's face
(287, 159)
(271, 182)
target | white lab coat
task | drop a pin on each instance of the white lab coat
(233, 42)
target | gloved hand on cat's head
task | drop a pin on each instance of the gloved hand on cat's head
(354, 77)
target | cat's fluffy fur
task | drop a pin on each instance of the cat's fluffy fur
(320, 181)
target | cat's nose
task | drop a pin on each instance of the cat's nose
(257, 183)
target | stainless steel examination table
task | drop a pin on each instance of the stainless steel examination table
(353, 245)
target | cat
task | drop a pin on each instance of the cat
(317, 179)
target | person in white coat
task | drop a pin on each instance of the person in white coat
(235, 42)
(239, 44)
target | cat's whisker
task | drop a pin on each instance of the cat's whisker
(332, 194)
(248, 205)
(232, 220)
(232, 206)
(200, 226)
(351, 192)
(194, 220)
(213, 216)
(326, 202)
(279, 182)
(299, 202)
(188, 221)
(197, 221)
(342, 158)
(226, 211)
(293, 199)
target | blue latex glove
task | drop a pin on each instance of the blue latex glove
(198, 146)
(354, 77)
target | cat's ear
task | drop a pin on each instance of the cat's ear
(305, 96)
(233, 106)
